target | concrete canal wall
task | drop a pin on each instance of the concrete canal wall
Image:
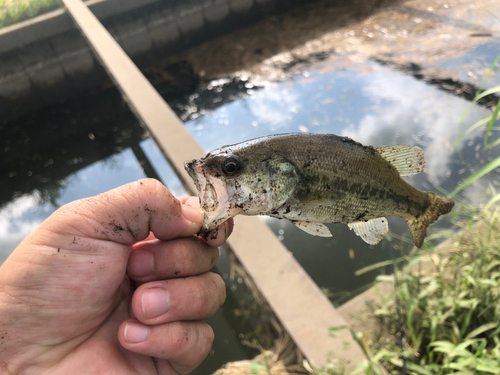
(46, 60)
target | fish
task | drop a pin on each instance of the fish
(313, 179)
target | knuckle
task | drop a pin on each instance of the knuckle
(219, 285)
(203, 298)
(193, 343)
(209, 337)
(193, 257)
(209, 293)
(191, 254)
(195, 336)
(203, 337)
(152, 186)
(217, 292)
(180, 336)
(187, 337)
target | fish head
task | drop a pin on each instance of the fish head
(234, 180)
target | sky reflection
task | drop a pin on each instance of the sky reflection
(381, 107)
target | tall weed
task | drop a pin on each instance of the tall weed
(449, 303)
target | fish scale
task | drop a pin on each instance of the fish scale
(350, 207)
(311, 179)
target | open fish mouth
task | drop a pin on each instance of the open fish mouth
(213, 195)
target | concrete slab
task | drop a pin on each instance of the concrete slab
(74, 52)
(241, 6)
(218, 16)
(42, 64)
(17, 94)
(108, 8)
(215, 10)
(163, 29)
(10, 64)
(243, 12)
(266, 5)
(191, 21)
(15, 85)
(46, 73)
(16, 88)
(134, 35)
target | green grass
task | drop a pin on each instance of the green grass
(14, 11)
(449, 306)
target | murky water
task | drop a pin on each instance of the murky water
(94, 143)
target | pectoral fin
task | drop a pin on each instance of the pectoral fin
(316, 229)
(371, 231)
(408, 160)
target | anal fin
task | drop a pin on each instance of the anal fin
(408, 160)
(371, 231)
(316, 229)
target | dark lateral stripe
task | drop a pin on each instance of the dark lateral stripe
(366, 191)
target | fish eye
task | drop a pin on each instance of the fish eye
(232, 166)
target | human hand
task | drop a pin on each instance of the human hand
(67, 298)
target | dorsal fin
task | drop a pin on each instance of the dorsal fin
(407, 160)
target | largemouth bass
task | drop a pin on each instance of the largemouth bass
(311, 179)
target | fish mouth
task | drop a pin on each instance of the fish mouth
(213, 195)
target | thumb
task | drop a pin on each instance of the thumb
(126, 215)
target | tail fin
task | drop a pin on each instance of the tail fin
(418, 227)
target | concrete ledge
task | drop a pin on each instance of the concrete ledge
(215, 10)
(58, 22)
(241, 6)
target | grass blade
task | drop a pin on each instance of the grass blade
(492, 201)
(494, 144)
(478, 124)
(493, 90)
(376, 266)
(475, 176)
(491, 123)
(479, 330)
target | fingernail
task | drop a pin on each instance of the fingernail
(193, 214)
(135, 332)
(141, 263)
(155, 302)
